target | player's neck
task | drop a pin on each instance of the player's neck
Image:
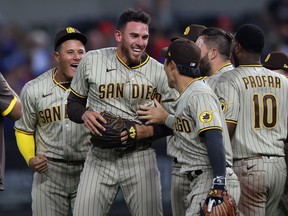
(250, 59)
(183, 82)
(59, 78)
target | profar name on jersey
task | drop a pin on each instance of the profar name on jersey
(261, 82)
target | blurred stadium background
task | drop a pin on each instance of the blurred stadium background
(27, 30)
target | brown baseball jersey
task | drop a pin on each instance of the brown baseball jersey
(256, 100)
(62, 141)
(7, 102)
(197, 110)
(109, 84)
(45, 116)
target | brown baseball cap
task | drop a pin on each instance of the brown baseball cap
(68, 34)
(191, 32)
(183, 51)
(276, 61)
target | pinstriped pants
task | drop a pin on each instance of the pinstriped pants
(180, 188)
(262, 183)
(54, 192)
(283, 205)
(200, 186)
(106, 171)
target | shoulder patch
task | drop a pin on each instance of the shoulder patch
(223, 105)
(205, 116)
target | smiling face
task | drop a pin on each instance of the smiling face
(67, 58)
(132, 42)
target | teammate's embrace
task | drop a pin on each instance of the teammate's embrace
(53, 146)
(255, 103)
(118, 80)
(201, 141)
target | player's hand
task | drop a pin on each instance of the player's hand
(93, 121)
(144, 131)
(124, 136)
(152, 114)
(39, 163)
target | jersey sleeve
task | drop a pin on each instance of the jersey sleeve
(7, 97)
(229, 99)
(28, 121)
(79, 85)
(205, 112)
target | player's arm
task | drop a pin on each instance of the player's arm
(155, 115)
(231, 128)
(153, 132)
(78, 113)
(76, 107)
(158, 122)
(11, 106)
(26, 146)
(216, 151)
(14, 111)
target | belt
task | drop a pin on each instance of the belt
(193, 174)
(257, 157)
(139, 146)
(69, 162)
(176, 161)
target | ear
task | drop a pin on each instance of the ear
(56, 56)
(237, 48)
(212, 54)
(118, 36)
(172, 65)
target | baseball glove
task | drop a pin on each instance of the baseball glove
(111, 137)
(219, 203)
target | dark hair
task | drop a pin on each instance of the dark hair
(251, 38)
(218, 38)
(186, 70)
(131, 15)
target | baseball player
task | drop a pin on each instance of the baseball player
(180, 184)
(255, 105)
(278, 62)
(10, 107)
(52, 145)
(201, 140)
(118, 80)
(215, 46)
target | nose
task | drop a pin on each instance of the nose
(77, 56)
(141, 42)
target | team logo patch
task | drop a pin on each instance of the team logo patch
(223, 105)
(132, 132)
(206, 117)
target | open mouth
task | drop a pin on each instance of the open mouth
(74, 65)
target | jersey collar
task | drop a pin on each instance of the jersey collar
(144, 59)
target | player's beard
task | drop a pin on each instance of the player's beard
(204, 65)
(131, 60)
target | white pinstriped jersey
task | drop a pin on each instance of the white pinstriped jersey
(44, 115)
(109, 84)
(255, 99)
(197, 110)
(212, 80)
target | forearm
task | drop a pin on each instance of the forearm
(216, 151)
(26, 145)
(153, 132)
(76, 108)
